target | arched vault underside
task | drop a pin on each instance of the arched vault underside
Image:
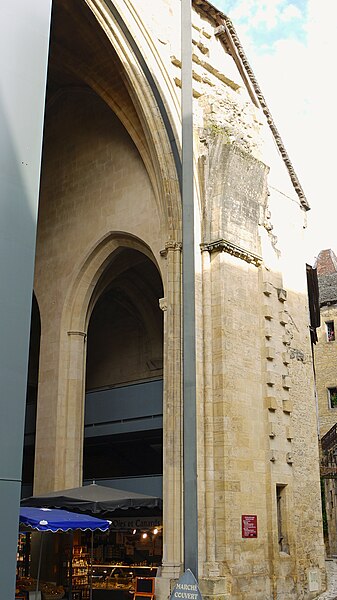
(85, 233)
(89, 52)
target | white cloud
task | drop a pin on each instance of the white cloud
(290, 12)
(242, 10)
(268, 14)
(297, 77)
(265, 13)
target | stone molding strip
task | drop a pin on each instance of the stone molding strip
(80, 333)
(225, 246)
(153, 86)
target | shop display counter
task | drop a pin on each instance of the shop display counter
(118, 582)
(104, 594)
(80, 567)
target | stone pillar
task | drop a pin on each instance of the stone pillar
(60, 413)
(215, 578)
(209, 567)
(75, 404)
(48, 415)
(172, 424)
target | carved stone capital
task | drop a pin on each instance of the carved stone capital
(225, 246)
(171, 245)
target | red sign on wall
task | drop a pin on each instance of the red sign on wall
(249, 526)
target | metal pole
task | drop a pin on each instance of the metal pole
(24, 42)
(39, 567)
(91, 561)
(71, 566)
(189, 352)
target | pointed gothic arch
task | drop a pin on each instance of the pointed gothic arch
(116, 70)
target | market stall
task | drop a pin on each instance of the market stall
(54, 520)
(94, 498)
(131, 550)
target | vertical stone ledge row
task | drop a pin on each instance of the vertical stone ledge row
(270, 360)
(277, 335)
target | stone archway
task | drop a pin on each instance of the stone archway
(84, 224)
(65, 461)
(85, 291)
(124, 373)
(93, 50)
(93, 279)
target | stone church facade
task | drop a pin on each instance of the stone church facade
(106, 319)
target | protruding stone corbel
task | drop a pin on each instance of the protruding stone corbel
(272, 456)
(281, 294)
(163, 304)
(289, 458)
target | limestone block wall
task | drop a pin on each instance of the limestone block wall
(330, 496)
(125, 338)
(222, 100)
(93, 183)
(258, 418)
(238, 444)
(234, 194)
(259, 426)
(326, 369)
(257, 436)
(305, 506)
(296, 423)
(126, 360)
(331, 515)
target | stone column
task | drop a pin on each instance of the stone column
(215, 580)
(75, 404)
(60, 413)
(49, 413)
(172, 423)
(209, 567)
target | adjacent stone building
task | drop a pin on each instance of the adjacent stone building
(105, 369)
(326, 382)
(326, 349)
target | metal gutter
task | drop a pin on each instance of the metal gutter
(190, 492)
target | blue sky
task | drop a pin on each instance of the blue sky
(292, 46)
(267, 21)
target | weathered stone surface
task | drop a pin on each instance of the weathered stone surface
(326, 378)
(109, 184)
(235, 193)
